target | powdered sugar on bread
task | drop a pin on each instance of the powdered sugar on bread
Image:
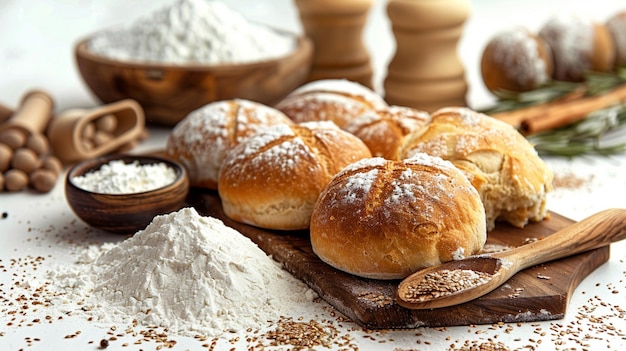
(202, 140)
(336, 100)
(273, 179)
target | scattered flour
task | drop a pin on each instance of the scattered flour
(186, 272)
(193, 31)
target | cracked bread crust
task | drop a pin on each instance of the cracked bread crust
(274, 178)
(511, 178)
(335, 100)
(202, 140)
(386, 219)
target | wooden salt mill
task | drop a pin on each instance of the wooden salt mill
(336, 29)
(425, 72)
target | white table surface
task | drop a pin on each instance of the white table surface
(36, 43)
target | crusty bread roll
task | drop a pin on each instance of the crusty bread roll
(386, 219)
(578, 45)
(516, 60)
(336, 100)
(273, 179)
(384, 130)
(510, 177)
(203, 138)
(617, 27)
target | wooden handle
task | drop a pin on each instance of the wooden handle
(33, 114)
(598, 230)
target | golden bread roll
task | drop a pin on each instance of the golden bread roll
(516, 60)
(503, 166)
(617, 27)
(386, 219)
(273, 179)
(578, 45)
(336, 100)
(203, 138)
(384, 130)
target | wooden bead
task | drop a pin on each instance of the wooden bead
(15, 180)
(101, 138)
(25, 160)
(106, 123)
(14, 138)
(38, 143)
(52, 163)
(43, 180)
(88, 131)
(6, 155)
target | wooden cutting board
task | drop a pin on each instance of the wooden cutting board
(535, 294)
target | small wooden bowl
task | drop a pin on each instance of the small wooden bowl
(125, 213)
(169, 92)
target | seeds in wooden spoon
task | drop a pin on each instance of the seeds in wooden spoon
(444, 282)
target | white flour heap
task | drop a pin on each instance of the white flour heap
(189, 273)
(193, 31)
(118, 177)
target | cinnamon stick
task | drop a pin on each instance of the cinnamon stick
(552, 115)
(572, 111)
(517, 116)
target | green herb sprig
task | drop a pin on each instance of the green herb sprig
(586, 136)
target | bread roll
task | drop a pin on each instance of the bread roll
(336, 100)
(578, 45)
(385, 219)
(203, 138)
(384, 130)
(273, 179)
(617, 27)
(503, 166)
(516, 60)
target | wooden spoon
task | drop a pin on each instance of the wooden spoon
(460, 281)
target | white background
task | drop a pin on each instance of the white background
(36, 51)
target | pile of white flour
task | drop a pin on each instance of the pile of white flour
(192, 31)
(189, 273)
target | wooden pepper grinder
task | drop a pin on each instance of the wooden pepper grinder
(336, 29)
(425, 72)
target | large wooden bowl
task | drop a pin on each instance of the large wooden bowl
(168, 92)
(125, 213)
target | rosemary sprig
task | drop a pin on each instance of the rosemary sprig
(601, 82)
(587, 136)
(511, 100)
(595, 83)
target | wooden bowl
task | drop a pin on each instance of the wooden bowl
(168, 92)
(125, 213)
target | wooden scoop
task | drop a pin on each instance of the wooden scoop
(460, 281)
